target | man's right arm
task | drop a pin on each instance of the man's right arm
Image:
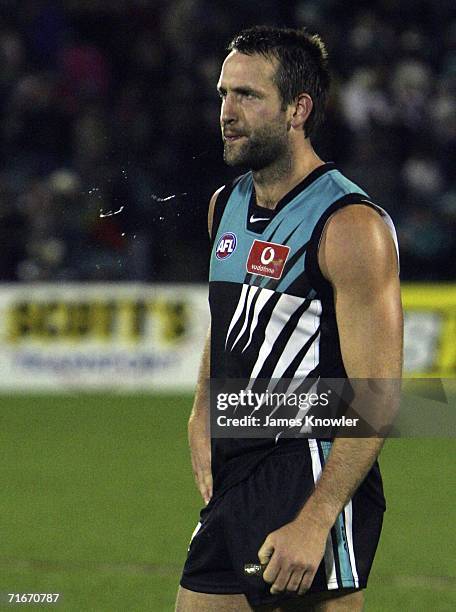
(199, 434)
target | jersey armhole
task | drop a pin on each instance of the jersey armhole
(220, 205)
(318, 281)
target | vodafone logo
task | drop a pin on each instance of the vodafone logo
(267, 256)
(267, 259)
(226, 245)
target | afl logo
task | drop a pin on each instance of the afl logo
(226, 246)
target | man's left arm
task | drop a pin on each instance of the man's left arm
(358, 257)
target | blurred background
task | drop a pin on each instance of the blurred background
(110, 151)
(112, 104)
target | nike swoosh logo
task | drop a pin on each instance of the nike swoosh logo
(255, 219)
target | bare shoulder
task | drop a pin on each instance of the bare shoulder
(357, 247)
(210, 214)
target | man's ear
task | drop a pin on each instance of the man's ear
(302, 109)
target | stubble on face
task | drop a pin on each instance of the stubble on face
(261, 148)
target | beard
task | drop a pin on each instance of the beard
(261, 149)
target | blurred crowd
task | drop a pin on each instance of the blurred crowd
(110, 139)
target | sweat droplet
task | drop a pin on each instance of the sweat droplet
(111, 213)
(159, 199)
(166, 198)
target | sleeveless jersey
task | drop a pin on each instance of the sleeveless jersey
(272, 311)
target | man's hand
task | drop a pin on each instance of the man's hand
(293, 554)
(200, 449)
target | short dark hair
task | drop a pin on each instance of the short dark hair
(303, 65)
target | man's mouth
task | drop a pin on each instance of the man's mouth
(232, 137)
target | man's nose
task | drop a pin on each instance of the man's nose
(228, 112)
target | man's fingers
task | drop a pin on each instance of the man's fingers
(280, 583)
(266, 551)
(206, 494)
(271, 572)
(204, 483)
(306, 582)
(295, 581)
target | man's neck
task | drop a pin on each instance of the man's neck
(273, 183)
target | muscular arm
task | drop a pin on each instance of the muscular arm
(199, 435)
(357, 256)
(363, 273)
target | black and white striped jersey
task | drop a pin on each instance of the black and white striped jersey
(272, 311)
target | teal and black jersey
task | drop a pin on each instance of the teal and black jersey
(272, 310)
(273, 318)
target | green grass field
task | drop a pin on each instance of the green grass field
(97, 503)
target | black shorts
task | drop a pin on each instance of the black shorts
(234, 525)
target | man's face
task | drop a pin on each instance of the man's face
(254, 126)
